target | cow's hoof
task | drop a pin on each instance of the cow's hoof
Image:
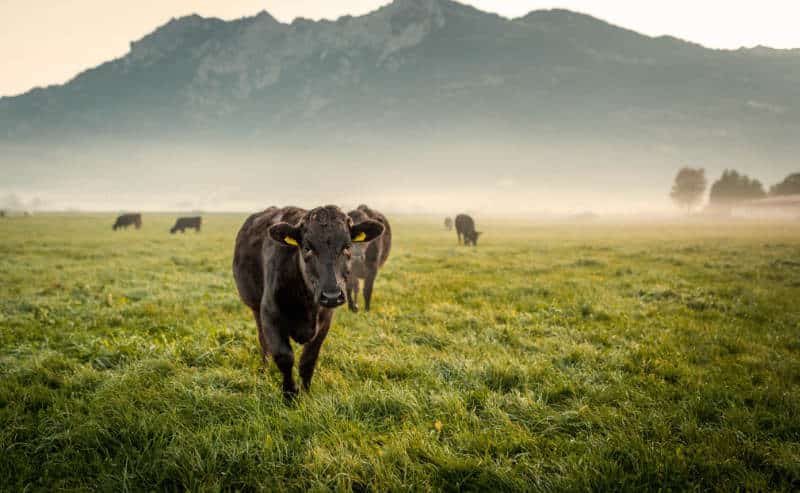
(290, 395)
(353, 308)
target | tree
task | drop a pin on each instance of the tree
(733, 188)
(690, 184)
(789, 186)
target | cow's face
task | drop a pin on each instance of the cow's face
(324, 240)
(472, 238)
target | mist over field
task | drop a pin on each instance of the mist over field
(495, 178)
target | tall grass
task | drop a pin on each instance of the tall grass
(549, 358)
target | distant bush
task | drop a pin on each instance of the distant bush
(789, 186)
(733, 188)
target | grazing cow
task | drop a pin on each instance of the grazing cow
(465, 227)
(367, 258)
(184, 223)
(448, 223)
(291, 267)
(126, 220)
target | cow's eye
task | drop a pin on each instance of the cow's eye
(308, 250)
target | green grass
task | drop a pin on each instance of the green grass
(551, 358)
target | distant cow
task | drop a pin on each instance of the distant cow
(126, 220)
(184, 223)
(2, 213)
(465, 227)
(448, 223)
(291, 267)
(367, 258)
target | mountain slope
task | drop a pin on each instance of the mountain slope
(422, 74)
(414, 60)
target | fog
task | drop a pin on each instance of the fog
(491, 177)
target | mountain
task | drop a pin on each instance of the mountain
(420, 73)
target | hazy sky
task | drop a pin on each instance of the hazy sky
(49, 41)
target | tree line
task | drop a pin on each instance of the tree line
(730, 189)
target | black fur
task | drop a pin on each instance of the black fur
(126, 220)
(465, 226)
(184, 223)
(368, 258)
(293, 290)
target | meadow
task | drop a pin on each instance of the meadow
(551, 358)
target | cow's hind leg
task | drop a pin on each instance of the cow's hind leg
(368, 283)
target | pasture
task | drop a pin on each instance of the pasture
(550, 358)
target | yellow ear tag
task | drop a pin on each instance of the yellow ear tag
(360, 237)
(290, 241)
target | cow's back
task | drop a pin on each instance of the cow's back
(189, 222)
(464, 224)
(125, 220)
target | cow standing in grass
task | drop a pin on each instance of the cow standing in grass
(368, 257)
(184, 223)
(291, 266)
(465, 227)
(448, 223)
(126, 220)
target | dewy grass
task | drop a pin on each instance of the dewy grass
(550, 358)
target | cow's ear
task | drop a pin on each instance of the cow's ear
(365, 231)
(286, 234)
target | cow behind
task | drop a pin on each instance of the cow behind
(291, 267)
(184, 223)
(465, 227)
(448, 223)
(368, 258)
(126, 220)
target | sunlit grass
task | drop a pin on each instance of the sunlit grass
(549, 358)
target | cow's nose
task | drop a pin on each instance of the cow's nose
(331, 299)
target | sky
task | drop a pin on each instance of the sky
(45, 42)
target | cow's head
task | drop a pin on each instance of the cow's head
(324, 239)
(472, 238)
(358, 216)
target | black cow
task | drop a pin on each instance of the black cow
(448, 223)
(184, 223)
(367, 258)
(291, 267)
(465, 226)
(126, 220)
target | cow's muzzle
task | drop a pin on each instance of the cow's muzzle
(332, 299)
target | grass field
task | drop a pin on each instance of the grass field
(550, 358)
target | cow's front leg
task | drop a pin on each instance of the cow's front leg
(261, 337)
(308, 360)
(282, 354)
(284, 358)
